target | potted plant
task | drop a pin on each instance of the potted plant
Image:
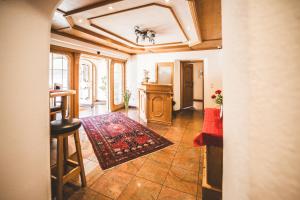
(218, 97)
(126, 96)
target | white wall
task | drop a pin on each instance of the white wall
(212, 71)
(261, 99)
(24, 102)
(198, 80)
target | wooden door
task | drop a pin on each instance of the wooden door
(187, 85)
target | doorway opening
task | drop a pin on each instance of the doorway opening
(93, 86)
(192, 85)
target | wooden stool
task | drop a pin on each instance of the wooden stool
(61, 129)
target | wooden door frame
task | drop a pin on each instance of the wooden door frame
(182, 62)
(114, 107)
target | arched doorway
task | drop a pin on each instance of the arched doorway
(93, 85)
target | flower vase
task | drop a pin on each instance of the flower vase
(126, 106)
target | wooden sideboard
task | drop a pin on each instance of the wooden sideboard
(155, 103)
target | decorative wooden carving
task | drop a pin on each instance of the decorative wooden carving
(155, 103)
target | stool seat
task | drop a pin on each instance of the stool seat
(64, 126)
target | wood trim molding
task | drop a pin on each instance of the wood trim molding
(94, 34)
(85, 54)
(107, 39)
(144, 6)
(61, 11)
(73, 62)
(198, 100)
(182, 62)
(195, 16)
(91, 6)
(208, 44)
(88, 41)
(111, 33)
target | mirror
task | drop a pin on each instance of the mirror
(164, 73)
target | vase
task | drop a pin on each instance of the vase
(126, 106)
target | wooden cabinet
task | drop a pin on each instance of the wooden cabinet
(155, 103)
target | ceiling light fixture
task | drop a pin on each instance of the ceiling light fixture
(167, 1)
(143, 34)
(110, 7)
(80, 20)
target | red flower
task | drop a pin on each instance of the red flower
(218, 91)
(213, 96)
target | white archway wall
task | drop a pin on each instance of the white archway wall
(261, 99)
(24, 102)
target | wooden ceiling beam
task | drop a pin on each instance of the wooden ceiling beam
(88, 41)
(59, 49)
(195, 15)
(208, 44)
(111, 33)
(91, 6)
(107, 39)
(70, 21)
(86, 31)
(60, 11)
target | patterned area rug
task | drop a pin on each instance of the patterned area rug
(117, 139)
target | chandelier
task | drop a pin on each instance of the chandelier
(143, 34)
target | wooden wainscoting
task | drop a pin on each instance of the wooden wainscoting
(155, 103)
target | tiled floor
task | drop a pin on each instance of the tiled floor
(169, 174)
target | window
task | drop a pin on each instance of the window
(58, 71)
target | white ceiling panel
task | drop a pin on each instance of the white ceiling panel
(158, 19)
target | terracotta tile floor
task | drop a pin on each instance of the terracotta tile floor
(169, 174)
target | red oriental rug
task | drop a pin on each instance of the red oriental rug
(117, 139)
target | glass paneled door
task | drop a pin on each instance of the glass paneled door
(85, 83)
(117, 85)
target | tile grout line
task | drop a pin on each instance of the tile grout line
(171, 164)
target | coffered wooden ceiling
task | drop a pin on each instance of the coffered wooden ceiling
(180, 25)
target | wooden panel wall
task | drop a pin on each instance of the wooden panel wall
(210, 19)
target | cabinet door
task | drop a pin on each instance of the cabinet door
(159, 108)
